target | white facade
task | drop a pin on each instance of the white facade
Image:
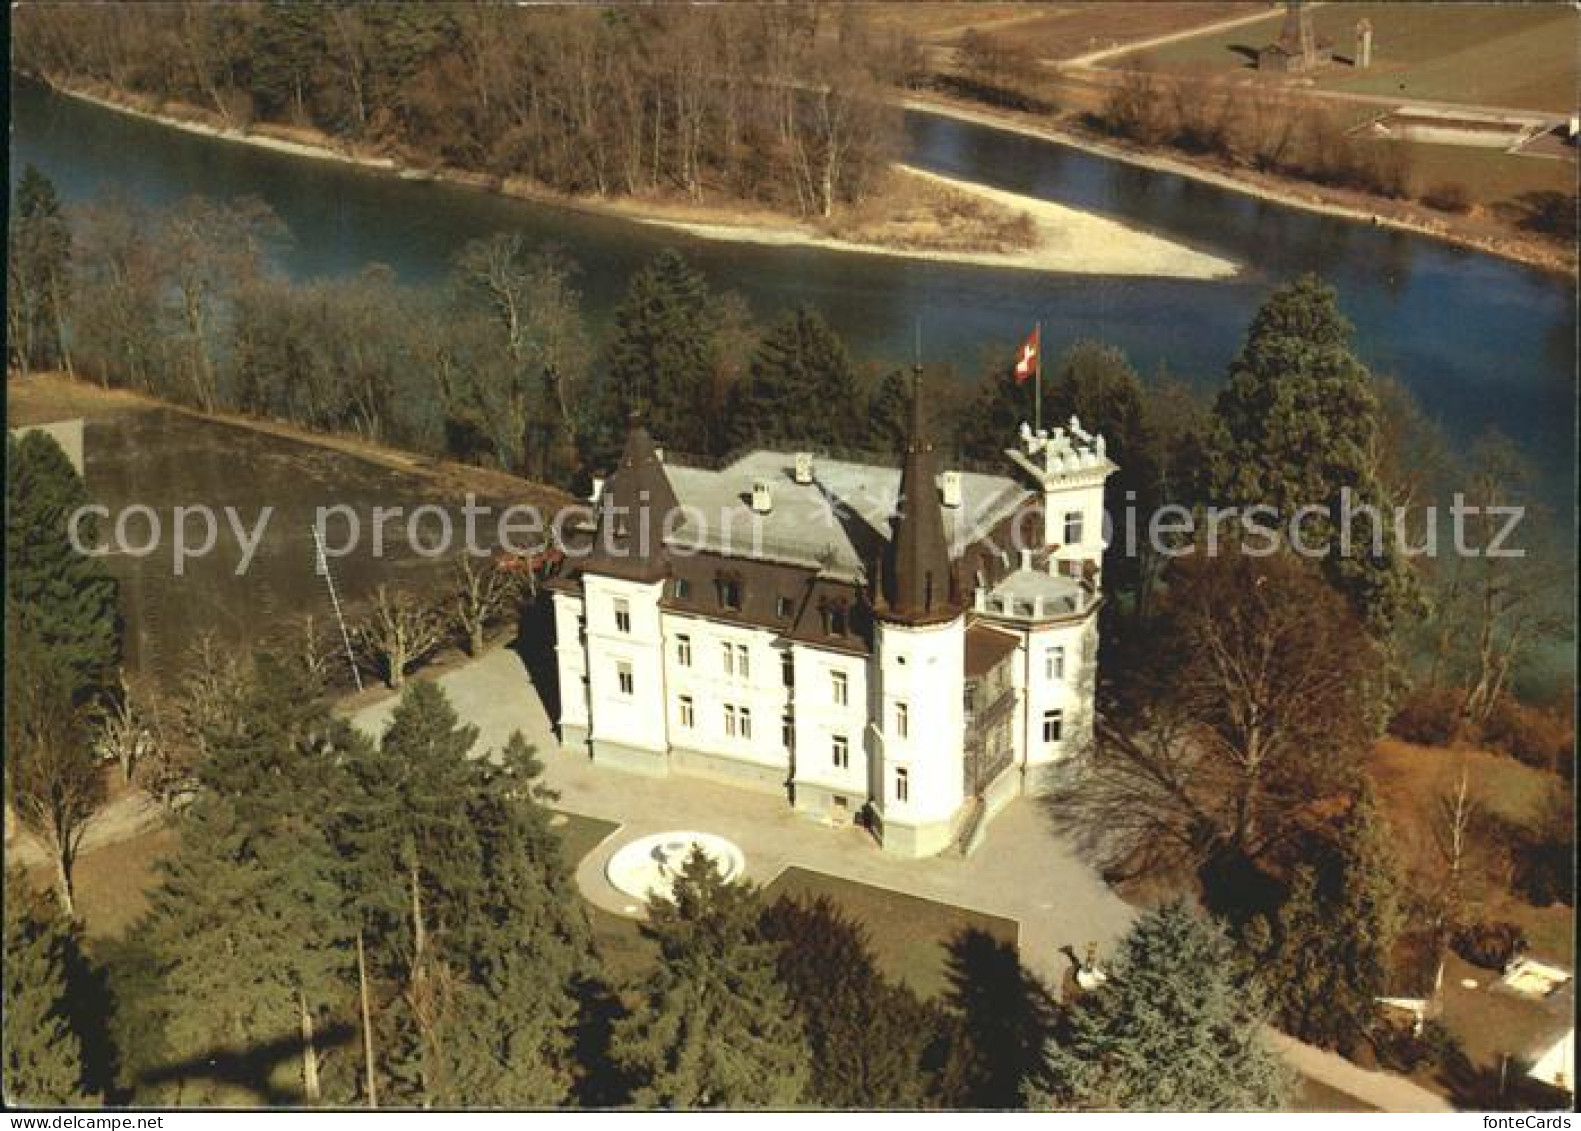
(876, 726)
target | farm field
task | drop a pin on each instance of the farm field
(1518, 56)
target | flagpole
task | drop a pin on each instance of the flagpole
(1037, 381)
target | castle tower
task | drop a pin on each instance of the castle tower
(623, 581)
(919, 651)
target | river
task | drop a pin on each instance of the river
(1482, 342)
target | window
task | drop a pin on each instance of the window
(628, 683)
(1054, 663)
(683, 588)
(683, 651)
(688, 712)
(902, 720)
(840, 687)
(782, 607)
(1073, 526)
(833, 619)
(969, 699)
(745, 715)
(788, 731)
(743, 662)
(622, 615)
(1053, 725)
(902, 785)
(730, 593)
(788, 668)
(841, 752)
(730, 721)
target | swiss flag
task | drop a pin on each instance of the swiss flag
(1027, 357)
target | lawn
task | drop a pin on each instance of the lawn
(1520, 56)
(908, 934)
(113, 881)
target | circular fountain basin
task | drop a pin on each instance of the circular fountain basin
(647, 867)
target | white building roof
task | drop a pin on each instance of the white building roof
(832, 524)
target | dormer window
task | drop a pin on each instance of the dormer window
(834, 618)
(782, 607)
(683, 588)
(729, 586)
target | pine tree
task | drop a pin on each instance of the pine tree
(1296, 426)
(1333, 940)
(249, 928)
(66, 598)
(716, 1029)
(994, 415)
(1171, 1030)
(867, 1036)
(473, 929)
(43, 1054)
(889, 413)
(37, 275)
(801, 386)
(660, 360)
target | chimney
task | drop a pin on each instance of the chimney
(598, 489)
(762, 499)
(803, 468)
(950, 486)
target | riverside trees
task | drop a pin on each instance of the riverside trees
(771, 104)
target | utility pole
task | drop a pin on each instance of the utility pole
(329, 580)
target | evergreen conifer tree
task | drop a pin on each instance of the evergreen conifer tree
(1298, 425)
(715, 1029)
(472, 927)
(43, 1053)
(660, 360)
(1170, 1030)
(67, 599)
(801, 386)
(37, 275)
(1333, 940)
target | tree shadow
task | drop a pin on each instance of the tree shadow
(602, 1084)
(1001, 1016)
(250, 1068)
(1485, 1087)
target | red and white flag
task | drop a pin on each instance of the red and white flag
(1027, 356)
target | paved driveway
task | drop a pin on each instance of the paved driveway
(1022, 871)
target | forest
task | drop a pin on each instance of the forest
(775, 104)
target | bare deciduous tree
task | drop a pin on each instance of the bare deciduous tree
(125, 735)
(483, 593)
(400, 631)
(1255, 713)
(54, 782)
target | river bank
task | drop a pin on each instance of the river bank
(1505, 242)
(1017, 232)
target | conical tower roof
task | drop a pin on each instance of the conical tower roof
(917, 583)
(632, 507)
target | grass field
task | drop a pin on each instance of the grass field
(1054, 31)
(1411, 780)
(1520, 56)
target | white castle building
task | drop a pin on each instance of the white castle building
(869, 643)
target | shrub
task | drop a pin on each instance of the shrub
(1492, 945)
(1449, 196)
(1531, 735)
(1428, 716)
(1400, 1050)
